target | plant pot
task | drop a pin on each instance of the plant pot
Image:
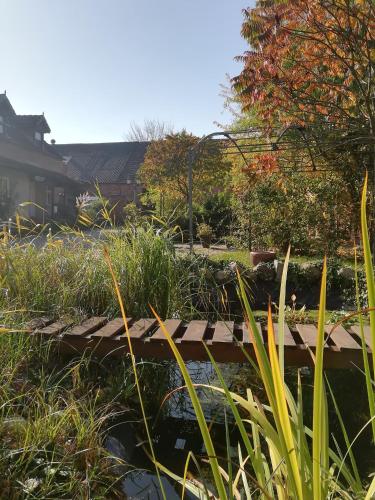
(206, 242)
(261, 256)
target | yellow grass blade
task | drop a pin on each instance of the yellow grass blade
(318, 391)
(371, 491)
(282, 408)
(281, 319)
(368, 268)
(370, 280)
(212, 458)
(134, 366)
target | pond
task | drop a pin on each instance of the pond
(175, 434)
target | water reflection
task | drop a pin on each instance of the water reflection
(180, 406)
(142, 485)
(177, 433)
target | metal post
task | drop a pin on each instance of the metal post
(190, 198)
(191, 159)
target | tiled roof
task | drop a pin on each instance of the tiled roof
(37, 122)
(106, 162)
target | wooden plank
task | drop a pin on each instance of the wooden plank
(140, 328)
(195, 331)
(345, 353)
(246, 335)
(223, 332)
(308, 333)
(288, 337)
(366, 332)
(88, 326)
(53, 329)
(341, 338)
(172, 326)
(111, 329)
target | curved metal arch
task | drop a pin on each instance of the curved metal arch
(301, 130)
(192, 155)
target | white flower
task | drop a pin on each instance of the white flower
(64, 472)
(31, 484)
(49, 470)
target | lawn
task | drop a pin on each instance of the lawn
(243, 257)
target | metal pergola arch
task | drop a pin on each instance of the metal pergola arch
(238, 144)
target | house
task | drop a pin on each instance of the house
(32, 172)
(110, 166)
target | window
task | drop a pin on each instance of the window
(1, 125)
(38, 136)
(4, 188)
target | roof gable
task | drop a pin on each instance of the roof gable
(35, 122)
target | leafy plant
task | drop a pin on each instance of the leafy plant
(293, 314)
(308, 211)
(204, 231)
(279, 456)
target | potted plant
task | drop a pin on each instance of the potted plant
(205, 233)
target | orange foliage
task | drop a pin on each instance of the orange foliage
(310, 60)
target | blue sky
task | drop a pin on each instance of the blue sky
(93, 66)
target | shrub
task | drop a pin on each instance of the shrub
(310, 212)
(216, 211)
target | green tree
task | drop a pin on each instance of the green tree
(164, 172)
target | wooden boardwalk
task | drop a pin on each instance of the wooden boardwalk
(224, 339)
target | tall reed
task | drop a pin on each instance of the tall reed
(279, 456)
(66, 274)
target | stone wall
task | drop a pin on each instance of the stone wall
(303, 282)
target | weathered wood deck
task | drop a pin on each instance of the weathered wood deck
(108, 338)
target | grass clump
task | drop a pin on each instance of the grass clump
(54, 416)
(68, 276)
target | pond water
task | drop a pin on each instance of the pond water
(175, 435)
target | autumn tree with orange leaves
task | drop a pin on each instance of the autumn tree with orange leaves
(311, 65)
(312, 61)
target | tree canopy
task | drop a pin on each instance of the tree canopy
(310, 61)
(165, 168)
(311, 65)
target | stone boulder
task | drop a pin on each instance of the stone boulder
(223, 276)
(347, 274)
(265, 271)
(312, 272)
(279, 267)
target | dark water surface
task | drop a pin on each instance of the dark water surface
(176, 434)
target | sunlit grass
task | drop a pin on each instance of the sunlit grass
(243, 257)
(278, 455)
(69, 276)
(54, 416)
